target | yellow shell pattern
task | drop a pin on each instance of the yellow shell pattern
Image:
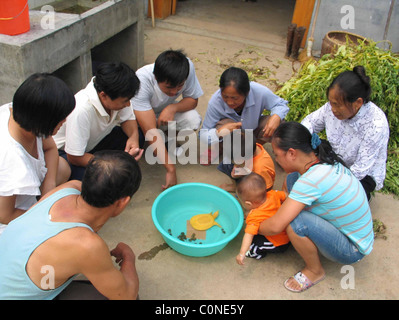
(204, 221)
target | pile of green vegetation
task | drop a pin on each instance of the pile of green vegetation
(306, 91)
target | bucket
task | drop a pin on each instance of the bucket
(334, 39)
(14, 17)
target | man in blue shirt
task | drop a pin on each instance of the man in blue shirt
(42, 250)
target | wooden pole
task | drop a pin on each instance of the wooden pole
(152, 13)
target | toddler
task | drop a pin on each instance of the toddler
(263, 204)
(255, 159)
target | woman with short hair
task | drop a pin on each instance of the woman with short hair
(29, 161)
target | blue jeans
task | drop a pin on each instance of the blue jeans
(331, 242)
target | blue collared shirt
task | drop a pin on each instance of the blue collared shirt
(259, 98)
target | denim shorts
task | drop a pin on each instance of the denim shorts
(331, 242)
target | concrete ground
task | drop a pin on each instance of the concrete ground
(216, 34)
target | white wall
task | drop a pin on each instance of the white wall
(370, 20)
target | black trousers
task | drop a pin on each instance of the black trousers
(115, 140)
(80, 290)
(369, 185)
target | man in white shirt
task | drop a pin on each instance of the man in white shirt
(155, 105)
(102, 118)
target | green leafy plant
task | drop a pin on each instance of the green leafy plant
(306, 91)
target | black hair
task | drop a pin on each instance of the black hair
(41, 102)
(110, 176)
(237, 78)
(247, 144)
(294, 135)
(116, 80)
(171, 66)
(252, 186)
(352, 85)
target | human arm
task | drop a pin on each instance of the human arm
(125, 257)
(283, 217)
(215, 112)
(77, 135)
(191, 90)
(80, 161)
(95, 263)
(285, 189)
(8, 212)
(168, 113)
(371, 156)
(147, 122)
(227, 128)
(246, 243)
(271, 125)
(130, 128)
(93, 260)
(316, 121)
(277, 106)
(51, 158)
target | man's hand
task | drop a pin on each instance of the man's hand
(122, 252)
(166, 115)
(133, 149)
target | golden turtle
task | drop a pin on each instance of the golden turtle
(204, 221)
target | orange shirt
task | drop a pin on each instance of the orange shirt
(274, 199)
(263, 165)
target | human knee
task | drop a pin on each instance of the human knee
(190, 121)
(300, 224)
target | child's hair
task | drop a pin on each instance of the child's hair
(237, 78)
(110, 176)
(171, 66)
(243, 144)
(296, 136)
(252, 188)
(116, 80)
(41, 102)
(352, 85)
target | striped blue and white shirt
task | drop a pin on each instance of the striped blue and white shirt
(333, 193)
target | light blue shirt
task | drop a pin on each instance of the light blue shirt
(18, 241)
(259, 98)
(333, 193)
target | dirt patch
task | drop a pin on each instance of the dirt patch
(149, 255)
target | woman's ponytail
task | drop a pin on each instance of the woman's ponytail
(296, 136)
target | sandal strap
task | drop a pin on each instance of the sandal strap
(303, 280)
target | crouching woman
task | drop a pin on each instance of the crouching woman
(327, 209)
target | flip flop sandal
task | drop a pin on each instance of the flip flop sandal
(303, 281)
